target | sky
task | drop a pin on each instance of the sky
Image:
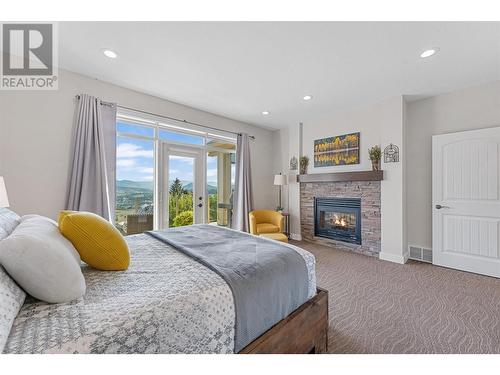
(135, 157)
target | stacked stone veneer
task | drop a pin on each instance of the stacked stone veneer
(368, 191)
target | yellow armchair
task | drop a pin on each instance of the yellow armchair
(266, 221)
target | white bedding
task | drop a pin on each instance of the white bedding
(165, 302)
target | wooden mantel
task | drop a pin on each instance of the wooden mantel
(342, 176)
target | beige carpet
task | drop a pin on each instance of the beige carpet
(383, 307)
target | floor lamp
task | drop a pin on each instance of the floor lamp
(280, 180)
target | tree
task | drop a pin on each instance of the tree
(185, 204)
(176, 192)
(212, 207)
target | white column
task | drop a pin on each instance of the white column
(393, 188)
(295, 142)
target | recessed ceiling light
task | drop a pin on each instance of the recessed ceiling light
(308, 97)
(429, 52)
(265, 113)
(110, 54)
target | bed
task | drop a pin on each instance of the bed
(166, 302)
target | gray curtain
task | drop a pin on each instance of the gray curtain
(93, 166)
(243, 196)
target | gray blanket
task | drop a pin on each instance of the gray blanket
(268, 279)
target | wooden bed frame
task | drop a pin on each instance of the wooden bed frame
(303, 331)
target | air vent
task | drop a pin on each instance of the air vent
(421, 254)
(415, 252)
(427, 255)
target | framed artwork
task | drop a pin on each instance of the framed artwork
(338, 150)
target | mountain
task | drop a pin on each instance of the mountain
(146, 186)
(210, 188)
(131, 194)
(128, 184)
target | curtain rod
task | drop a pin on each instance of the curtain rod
(176, 119)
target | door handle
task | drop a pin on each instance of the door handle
(200, 205)
(438, 206)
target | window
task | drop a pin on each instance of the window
(135, 129)
(221, 155)
(168, 135)
(137, 192)
(181, 179)
(134, 184)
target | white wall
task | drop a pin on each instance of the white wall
(281, 146)
(379, 124)
(35, 133)
(473, 108)
(286, 145)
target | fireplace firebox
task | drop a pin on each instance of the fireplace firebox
(338, 219)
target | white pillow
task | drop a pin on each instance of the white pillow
(11, 300)
(31, 216)
(42, 261)
(9, 220)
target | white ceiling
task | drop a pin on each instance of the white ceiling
(239, 69)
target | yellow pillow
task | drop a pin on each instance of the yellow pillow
(99, 243)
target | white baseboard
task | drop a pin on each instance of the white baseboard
(401, 259)
(295, 236)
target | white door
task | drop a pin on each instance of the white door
(466, 202)
(183, 185)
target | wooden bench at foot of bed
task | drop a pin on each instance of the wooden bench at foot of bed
(303, 331)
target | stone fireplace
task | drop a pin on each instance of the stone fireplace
(342, 214)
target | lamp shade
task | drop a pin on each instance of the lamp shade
(280, 179)
(4, 200)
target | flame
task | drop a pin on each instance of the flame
(340, 221)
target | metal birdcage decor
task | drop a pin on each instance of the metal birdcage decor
(391, 154)
(293, 163)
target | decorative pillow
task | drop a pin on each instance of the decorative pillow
(43, 262)
(99, 243)
(11, 299)
(8, 222)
